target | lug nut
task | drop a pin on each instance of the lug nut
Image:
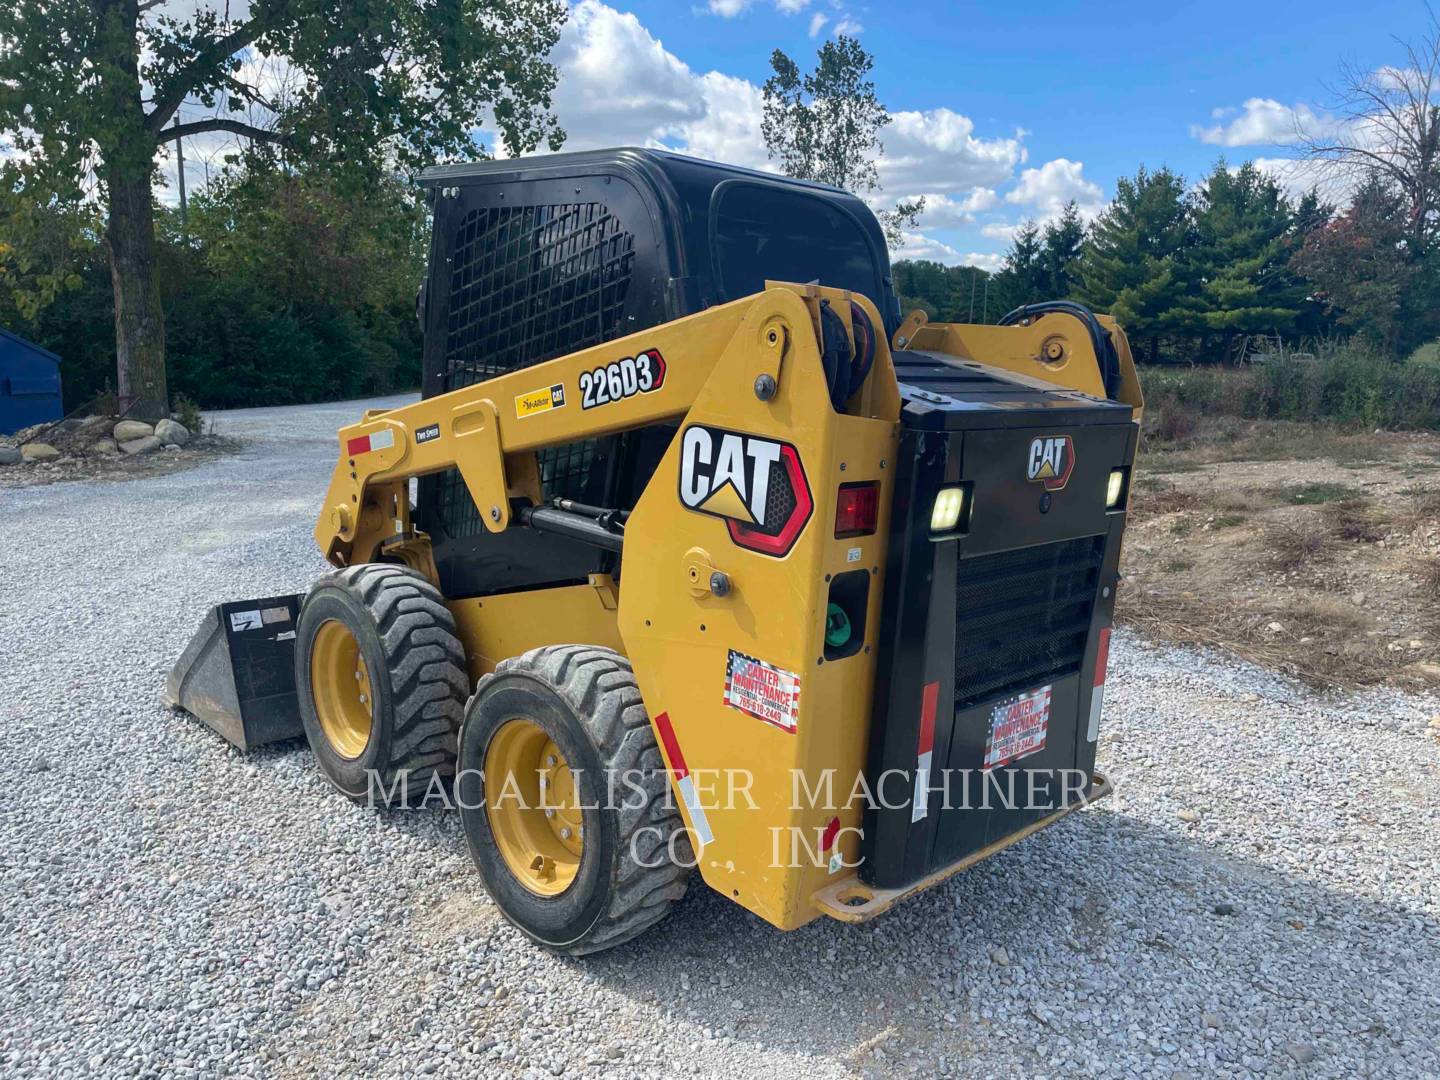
(565, 834)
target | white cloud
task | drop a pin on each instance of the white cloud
(1054, 184)
(1000, 230)
(944, 211)
(915, 245)
(728, 9)
(937, 151)
(848, 26)
(817, 23)
(1260, 122)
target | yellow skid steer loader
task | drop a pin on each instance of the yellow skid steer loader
(695, 557)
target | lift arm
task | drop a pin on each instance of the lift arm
(490, 431)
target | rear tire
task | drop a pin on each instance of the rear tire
(582, 703)
(382, 682)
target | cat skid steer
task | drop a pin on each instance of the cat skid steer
(695, 558)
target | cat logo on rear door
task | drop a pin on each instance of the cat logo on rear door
(757, 486)
(1051, 460)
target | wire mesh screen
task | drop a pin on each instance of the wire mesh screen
(1022, 616)
(528, 284)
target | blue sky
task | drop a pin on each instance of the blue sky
(1002, 111)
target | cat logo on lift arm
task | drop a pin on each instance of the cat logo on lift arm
(756, 485)
(1051, 461)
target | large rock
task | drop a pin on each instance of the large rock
(39, 451)
(105, 446)
(131, 431)
(172, 433)
(93, 425)
(10, 455)
(145, 445)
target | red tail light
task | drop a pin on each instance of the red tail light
(1102, 657)
(857, 509)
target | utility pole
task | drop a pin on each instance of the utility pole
(985, 317)
(180, 175)
(974, 271)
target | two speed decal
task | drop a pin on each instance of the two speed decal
(621, 379)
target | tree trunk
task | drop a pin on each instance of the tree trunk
(139, 323)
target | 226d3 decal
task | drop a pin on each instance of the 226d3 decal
(621, 379)
(756, 485)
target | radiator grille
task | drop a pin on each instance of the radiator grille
(1021, 617)
(528, 284)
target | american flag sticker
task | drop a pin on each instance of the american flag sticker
(1018, 727)
(762, 690)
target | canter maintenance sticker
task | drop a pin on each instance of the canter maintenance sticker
(539, 401)
(762, 690)
(1018, 728)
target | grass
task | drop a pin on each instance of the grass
(1317, 493)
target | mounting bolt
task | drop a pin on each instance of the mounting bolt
(720, 583)
(765, 387)
(901, 341)
(494, 513)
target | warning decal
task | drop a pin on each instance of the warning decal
(1017, 728)
(762, 690)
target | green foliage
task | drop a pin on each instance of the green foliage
(1370, 277)
(1348, 384)
(1133, 265)
(88, 90)
(825, 125)
(1243, 236)
(291, 287)
(944, 293)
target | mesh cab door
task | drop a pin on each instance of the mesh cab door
(522, 272)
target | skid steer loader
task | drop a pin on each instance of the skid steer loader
(696, 557)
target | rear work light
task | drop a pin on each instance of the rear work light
(857, 509)
(1115, 489)
(951, 514)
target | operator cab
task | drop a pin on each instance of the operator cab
(538, 257)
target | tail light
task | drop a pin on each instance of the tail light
(857, 509)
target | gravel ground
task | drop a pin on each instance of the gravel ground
(170, 906)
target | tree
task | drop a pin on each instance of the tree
(1365, 273)
(1244, 234)
(88, 89)
(825, 125)
(1387, 129)
(1023, 277)
(1063, 240)
(1133, 262)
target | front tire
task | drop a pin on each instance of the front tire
(567, 722)
(382, 682)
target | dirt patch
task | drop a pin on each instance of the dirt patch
(1308, 550)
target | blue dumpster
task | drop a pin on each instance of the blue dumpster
(29, 384)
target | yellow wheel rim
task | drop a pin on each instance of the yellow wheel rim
(533, 808)
(340, 682)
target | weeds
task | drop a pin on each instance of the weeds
(1354, 520)
(1295, 545)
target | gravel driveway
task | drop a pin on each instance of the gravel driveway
(170, 906)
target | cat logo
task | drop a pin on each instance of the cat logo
(757, 486)
(1051, 460)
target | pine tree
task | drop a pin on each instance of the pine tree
(1240, 259)
(1133, 264)
(1064, 239)
(1023, 277)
